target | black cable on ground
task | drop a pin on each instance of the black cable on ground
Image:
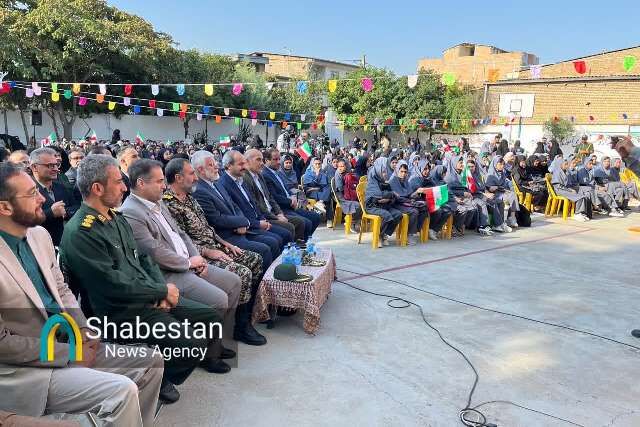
(491, 310)
(468, 411)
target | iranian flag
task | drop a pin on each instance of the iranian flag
(225, 141)
(436, 197)
(467, 180)
(93, 138)
(304, 150)
(49, 139)
(139, 138)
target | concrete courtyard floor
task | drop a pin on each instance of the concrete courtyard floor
(371, 365)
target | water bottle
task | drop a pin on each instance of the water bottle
(287, 257)
(297, 255)
(311, 247)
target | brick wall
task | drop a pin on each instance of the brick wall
(287, 66)
(607, 64)
(603, 99)
(474, 69)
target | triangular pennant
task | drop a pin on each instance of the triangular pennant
(218, 119)
(76, 88)
(180, 89)
(333, 85)
(99, 98)
(366, 84)
(254, 122)
(128, 89)
(103, 88)
(112, 105)
(580, 67)
(175, 106)
(237, 89)
(54, 87)
(208, 89)
(155, 89)
(226, 111)
(198, 116)
(82, 101)
(302, 87)
(183, 108)
(127, 101)
(628, 62)
(152, 103)
(136, 109)
(244, 113)
(412, 81)
(272, 115)
(55, 97)
(160, 112)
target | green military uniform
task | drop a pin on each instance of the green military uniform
(583, 149)
(191, 219)
(99, 255)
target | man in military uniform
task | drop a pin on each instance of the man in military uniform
(99, 254)
(189, 216)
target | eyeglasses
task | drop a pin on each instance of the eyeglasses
(50, 165)
(31, 195)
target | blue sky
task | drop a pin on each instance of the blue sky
(393, 34)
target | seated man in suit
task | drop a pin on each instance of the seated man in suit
(100, 257)
(265, 203)
(119, 391)
(189, 216)
(287, 201)
(127, 157)
(59, 204)
(158, 236)
(220, 210)
(232, 180)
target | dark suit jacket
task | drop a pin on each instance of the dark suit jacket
(248, 208)
(221, 213)
(55, 226)
(279, 194)
(126, 181)
(258, 196)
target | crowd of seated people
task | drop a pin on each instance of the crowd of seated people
(173, 233)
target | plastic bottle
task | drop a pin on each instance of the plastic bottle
(311, 247)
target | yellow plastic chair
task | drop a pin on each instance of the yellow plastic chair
(337, 215)
(555, 202)
(363, 178)
(525, 199)
(375, 222)
(628, 176)
(447, 229)
(424, 231)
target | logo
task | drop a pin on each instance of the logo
(48, 336)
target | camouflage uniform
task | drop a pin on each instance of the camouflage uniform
(190, 218)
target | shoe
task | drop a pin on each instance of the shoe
(412, 241)
(355, 229)
(506, 228)
(433, 235)
(215, 366)
(329, 224)
(485, 231)
(636, 333)
(496, 228)
(168, 392)
(616, 213)
(385, 240)
(249, 336)
(319, 206)
(227, 353)
(580, 218)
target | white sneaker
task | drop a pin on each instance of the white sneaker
(319, 206)
(497, 228)
(506, 228)
(485, 231)
(580, 218)
(433, 235)
(616, 214)
(385, 240)
(512, 222)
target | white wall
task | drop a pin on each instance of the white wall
(152, 127)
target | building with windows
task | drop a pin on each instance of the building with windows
(290, 67)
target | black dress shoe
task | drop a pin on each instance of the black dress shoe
(227, 353)
(249, 336)
(636, 333)
(168, 393)
(215, 366)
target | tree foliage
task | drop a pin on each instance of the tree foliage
(559, 128)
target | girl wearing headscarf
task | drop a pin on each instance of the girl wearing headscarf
(509, 163)
(329, 165)
(554, 150)
(601, 200)
(288, 174)
(564, 187)
(609, 179)
(362, 166)
(408, 200)
(485, 201)
(557, 161)
(380, 200)
(392, 161)
(419, 182)
(503, 147)
(498, 184)
(164, 156)
(342, 177)
(466, 212)
(414, 159)
(527, 183)
(316, 186)
(540, 149)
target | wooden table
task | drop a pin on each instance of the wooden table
(308, 297)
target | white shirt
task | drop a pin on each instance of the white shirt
(178, 243)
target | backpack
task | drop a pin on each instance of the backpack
(349, 190)
(523, 216)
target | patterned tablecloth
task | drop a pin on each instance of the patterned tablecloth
(305, 296)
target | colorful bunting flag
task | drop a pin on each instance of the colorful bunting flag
(152, 103)
(367, 84)
(493, 74)
(55, 97)
(412, 81)
(76, 88)
(580, 67)
(128, 89)
(237, 89)
(208, 89)
(302, 87)
(448, 79)
(103, 88)
(333, 85)
(180, 89)
(155, 90)
(111, 105)
(99, 98)
(628, 62)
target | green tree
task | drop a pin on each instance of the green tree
(559, 128)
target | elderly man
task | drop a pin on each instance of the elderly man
(188, 214)
(171, 248)
(101, 259)
(288, 202)
(232, 180)
(265, 203)
(21, 159)
(119, 391)
(220, 210)
(59, 204)
(127, 157)
(75, 157)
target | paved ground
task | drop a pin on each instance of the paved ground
(371, 365)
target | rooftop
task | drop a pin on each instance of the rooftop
(306, 58)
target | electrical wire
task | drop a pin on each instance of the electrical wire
(469, 411)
